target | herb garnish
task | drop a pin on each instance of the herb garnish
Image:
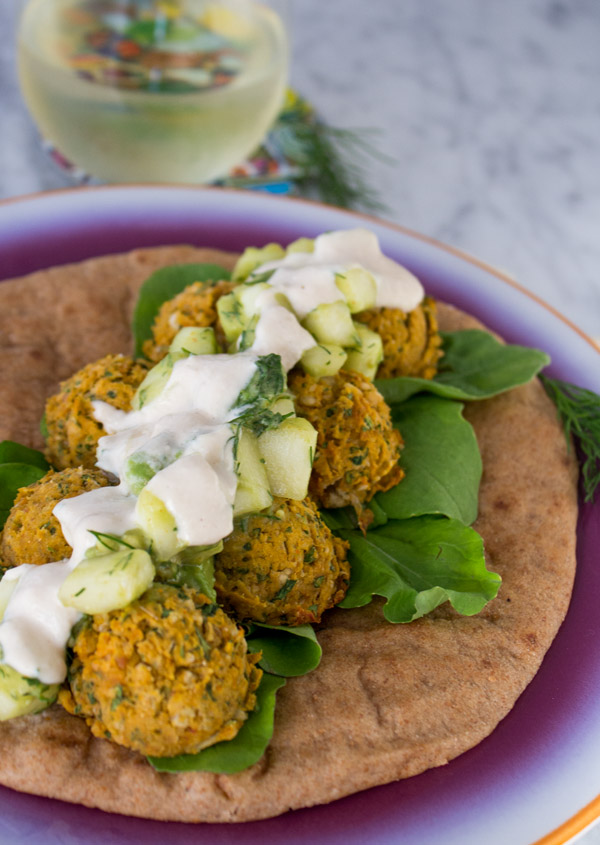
(579, 411)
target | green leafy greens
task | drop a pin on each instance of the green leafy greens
(417, 564)
(441, 459)
(475, 366)
(163, 285)
(19, 467)
(288, 652)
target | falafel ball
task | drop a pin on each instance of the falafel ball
(282, 567)
(358, 449)
(32, 534)
(411, 340)
(168, 674)
(73, 431)
(194, 306)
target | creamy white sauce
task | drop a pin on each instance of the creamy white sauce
(36, 625)
(207, 385)
(308, 278)
(106, 510)
(200, 496)
(280, 332)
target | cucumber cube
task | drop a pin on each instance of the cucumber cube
(331, 323)
(20, 696)
(368, 356)
(283, 405)
(288, 452)
(247, 295)
(323, 360)
(107, 582)
(155, 381)
(254, 257)
(231, 316)
(301, 245)
(252, 493)
(359, 288)
(158, 523)
(195, 340)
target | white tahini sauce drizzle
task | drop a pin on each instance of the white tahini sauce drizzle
(280, 332)
(184, 434)
(308, 278)
(36, 625)
(106, 510)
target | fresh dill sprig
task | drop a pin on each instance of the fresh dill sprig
(579, 411)
(333, 162)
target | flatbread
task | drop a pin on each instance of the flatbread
(420, 694)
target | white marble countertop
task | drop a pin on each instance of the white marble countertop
(489, 110)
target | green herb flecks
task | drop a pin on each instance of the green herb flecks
(579, 411)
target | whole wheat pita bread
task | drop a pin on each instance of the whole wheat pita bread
(420, 694)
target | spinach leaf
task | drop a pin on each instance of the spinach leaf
(289, 652)
(442, 462)
(13, 476)
(417, 564)
(15, 453)
(163, 285)
(237, 754)
(19, 467)
(475, 366)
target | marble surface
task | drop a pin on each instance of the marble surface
(487, 113)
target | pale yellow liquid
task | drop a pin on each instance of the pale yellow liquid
(137, 136)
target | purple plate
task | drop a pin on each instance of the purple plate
(536, 779)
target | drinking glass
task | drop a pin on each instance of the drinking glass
(153, 90)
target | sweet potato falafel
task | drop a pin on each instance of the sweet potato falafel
(194, 306)
(169, 674)
(357, 447)
(411, 341)
(282, 567)
(73, 431)
(32, 534)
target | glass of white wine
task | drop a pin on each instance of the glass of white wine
(153, 90)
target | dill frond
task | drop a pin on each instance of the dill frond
(579, 411)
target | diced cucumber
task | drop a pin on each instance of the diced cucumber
(283, 405)
(133, 539)
(197, 340)
(368, 356)
(246, 339)
(7, 588)
(359, 288)
(247, 295)
(301, 245)
(107, 582)
(252, 493)
(140, 468)
(231, 316)
(332, 323)
(155, 380)
(254, 257)
(323, 360)
(20, 696)
(288, 452)
(158, 524)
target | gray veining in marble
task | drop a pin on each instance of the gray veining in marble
(489, 109)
